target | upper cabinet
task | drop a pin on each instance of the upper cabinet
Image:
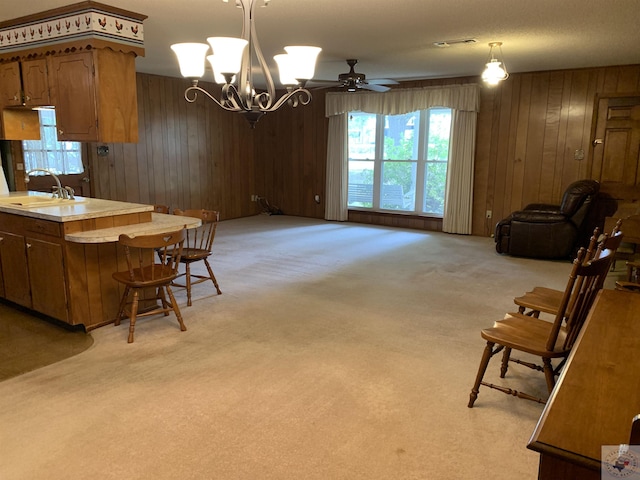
(94, 92)
(85, 69)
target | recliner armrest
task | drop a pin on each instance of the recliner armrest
(535, 216)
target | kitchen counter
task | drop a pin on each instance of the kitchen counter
(57, 256)
(160, 223)
(63, 210)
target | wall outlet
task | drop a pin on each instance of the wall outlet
(254, 198)
(489, 214)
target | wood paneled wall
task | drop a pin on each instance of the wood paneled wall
(188, 155)
(196, 155)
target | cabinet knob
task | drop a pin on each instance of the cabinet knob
(28, 245)
(27, 98)
(60, 131)
(16, 97)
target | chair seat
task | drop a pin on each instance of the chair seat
(194, 254)
(526, 334)
(541, 299)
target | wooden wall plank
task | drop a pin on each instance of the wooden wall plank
(199, 156)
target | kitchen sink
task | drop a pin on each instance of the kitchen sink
(36, 201)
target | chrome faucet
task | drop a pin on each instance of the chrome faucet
(58, 191)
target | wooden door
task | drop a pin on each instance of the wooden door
(616, 142)
(71, 78)
(47, 280)
(10, 86)
(35, 83)
(14, 269)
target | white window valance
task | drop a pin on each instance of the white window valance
(404, 100)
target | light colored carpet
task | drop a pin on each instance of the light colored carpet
(336, 351)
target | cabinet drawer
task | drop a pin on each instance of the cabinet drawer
(44, 227)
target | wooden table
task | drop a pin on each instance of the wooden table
(597, 394)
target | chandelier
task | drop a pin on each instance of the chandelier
(231, 62)
(494, 73)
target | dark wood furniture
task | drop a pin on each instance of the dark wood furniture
(144, 272)
(597, 395)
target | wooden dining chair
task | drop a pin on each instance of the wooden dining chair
(198, 248)
(159, 208)
(150, 267)
(550, 341)
(547, 300)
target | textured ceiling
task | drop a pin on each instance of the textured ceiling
(394, 38)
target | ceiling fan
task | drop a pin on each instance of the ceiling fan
(353, 81)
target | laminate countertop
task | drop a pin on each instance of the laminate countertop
(43, 206)
(160, 223)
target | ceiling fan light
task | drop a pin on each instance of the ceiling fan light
(191, 58)
(303, 61)
(228, 52)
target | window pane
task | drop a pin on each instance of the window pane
(439, 130)
(435, 179)
(400, 143)
(48, 153)
(398, 185)
(361, 183)
(362, 136)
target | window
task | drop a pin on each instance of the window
(62, 158)
(399, 162)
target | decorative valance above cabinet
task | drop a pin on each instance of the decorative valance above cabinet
(79, 59)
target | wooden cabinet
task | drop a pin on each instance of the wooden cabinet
(10, 85)
(32, 269)
(35, 82)
(15, 272)
(94, 92)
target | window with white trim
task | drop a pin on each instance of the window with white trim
(399, 162)
(61, 158)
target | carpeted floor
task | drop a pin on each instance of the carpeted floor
(336, 351)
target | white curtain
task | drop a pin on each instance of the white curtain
(462, 99)
(337, 169)
(4, 188)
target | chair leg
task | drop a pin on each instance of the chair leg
(484, 363)
(505, 362)
(132, 318)
(549, 374)
(188, 283)
(213, 277)
(163, 299)
(176, 310)
(123, 304)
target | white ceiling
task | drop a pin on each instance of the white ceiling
(394, 38)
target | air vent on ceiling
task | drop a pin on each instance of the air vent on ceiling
(449, 43)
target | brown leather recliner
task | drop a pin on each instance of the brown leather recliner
(549, 231)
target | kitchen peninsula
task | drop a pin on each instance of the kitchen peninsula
(57, 255)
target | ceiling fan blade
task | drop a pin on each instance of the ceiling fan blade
(382, 81)
(375, 88)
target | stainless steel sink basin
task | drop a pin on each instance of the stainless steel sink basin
(36, 201)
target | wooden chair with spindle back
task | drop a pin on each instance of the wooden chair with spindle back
(198, 248)
(145, 273)
(535, 336)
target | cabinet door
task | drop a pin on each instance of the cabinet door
(10, 87)
(34, 82)
(72, 83)
(14, 269)
(46, 278)
(46, 274)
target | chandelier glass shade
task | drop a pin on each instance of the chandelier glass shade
(495, 70)
(231, 63)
